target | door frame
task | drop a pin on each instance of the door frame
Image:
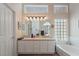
(14, 31)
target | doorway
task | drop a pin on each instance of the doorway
(7, 31)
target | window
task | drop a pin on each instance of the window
(61, 32)
(35, 8)
(58, 9)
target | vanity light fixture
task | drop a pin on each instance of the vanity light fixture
(39, 18)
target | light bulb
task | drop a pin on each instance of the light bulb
(37, 18)
(45, 17)
(34, 18)
(27, 18)
(41, 18)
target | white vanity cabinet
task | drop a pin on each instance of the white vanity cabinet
(36, 46)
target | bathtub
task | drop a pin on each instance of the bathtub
(67, 50)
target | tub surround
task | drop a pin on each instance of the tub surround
(67, 50)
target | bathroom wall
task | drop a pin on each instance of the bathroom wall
(74, 23)
(17, 7)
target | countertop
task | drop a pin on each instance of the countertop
(37, 38)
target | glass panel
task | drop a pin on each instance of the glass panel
(65, 27)
(65, 35)
(62, 33)
(60, 9)
(62, 38)
(61, 29)
(58, 23)
(62, 23)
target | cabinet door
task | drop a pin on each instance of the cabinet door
(51, 46)
(25, 47)
(36, 46)
(43, 46)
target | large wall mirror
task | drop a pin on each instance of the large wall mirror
(37, 26)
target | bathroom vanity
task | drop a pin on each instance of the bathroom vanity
(37, 31)
(36, 46)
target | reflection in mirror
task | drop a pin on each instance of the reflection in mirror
(47, 26)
